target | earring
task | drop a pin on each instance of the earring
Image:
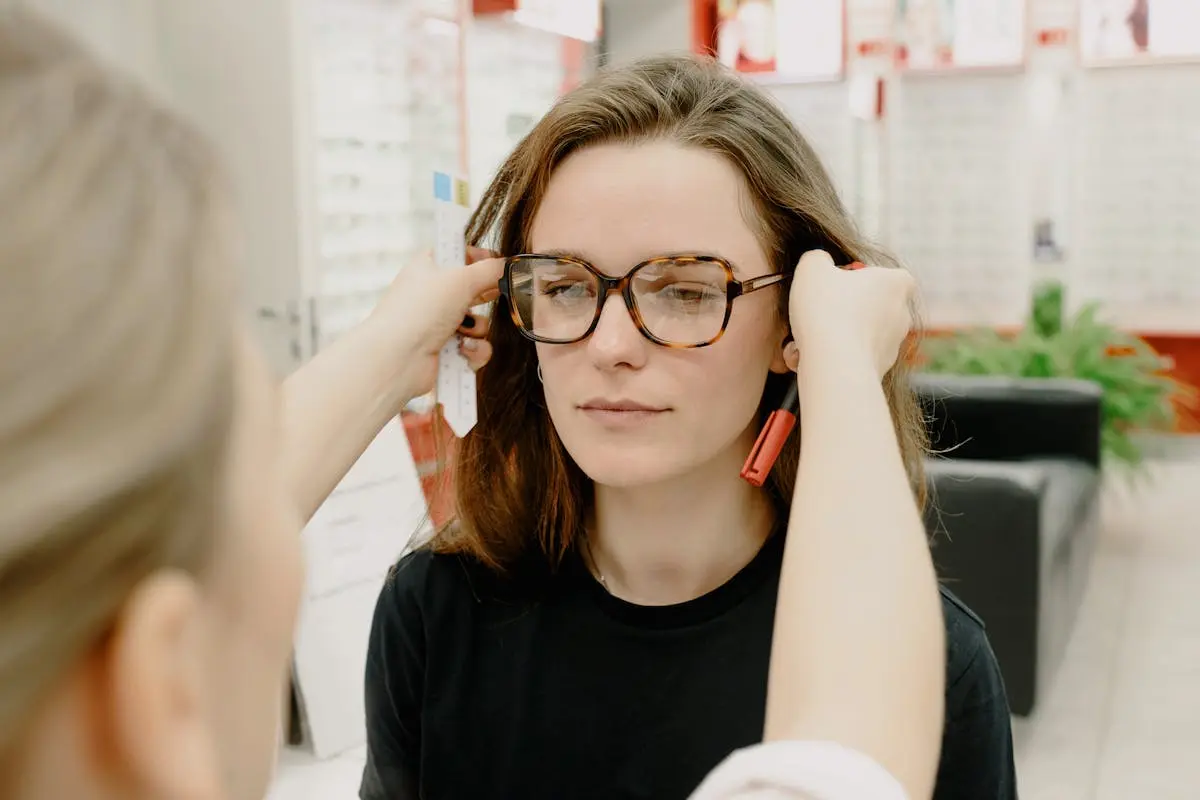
(539, 373)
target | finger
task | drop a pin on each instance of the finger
(479, 254)
(475, 326)
(476, 351)
(815, 259)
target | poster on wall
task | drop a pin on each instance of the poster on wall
(790, 40)
(952, 34)
(1118, 31)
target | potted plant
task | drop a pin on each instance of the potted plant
(1139, 394)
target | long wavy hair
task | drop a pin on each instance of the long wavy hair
(520, 497)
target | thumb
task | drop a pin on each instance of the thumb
(481, 277)
(479, 254)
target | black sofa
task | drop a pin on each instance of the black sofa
(1014, 510)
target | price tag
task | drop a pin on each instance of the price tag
(456, 380)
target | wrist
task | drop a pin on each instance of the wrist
(836, 362)
(834, 380)
(387, 359)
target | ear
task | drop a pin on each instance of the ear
(160, 727)
(779, 362)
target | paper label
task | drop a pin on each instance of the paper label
(456, 380)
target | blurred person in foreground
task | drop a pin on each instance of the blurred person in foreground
(154, 478)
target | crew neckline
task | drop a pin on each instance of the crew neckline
(690, 612)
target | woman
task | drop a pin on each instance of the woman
(598, 622)
(148, 544)
(149, 483)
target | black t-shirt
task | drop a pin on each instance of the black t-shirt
(475, 692)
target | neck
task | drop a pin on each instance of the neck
(676, 540)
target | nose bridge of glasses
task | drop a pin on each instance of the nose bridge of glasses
(613, 300)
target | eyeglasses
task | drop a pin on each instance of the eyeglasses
(681, 301)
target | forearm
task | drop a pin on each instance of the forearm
(335, 405)
(859, 650)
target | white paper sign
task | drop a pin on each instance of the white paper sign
(456, 380)
(943, 34)
(1134, 30)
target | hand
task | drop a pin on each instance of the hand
(864, 313)
(426, 305)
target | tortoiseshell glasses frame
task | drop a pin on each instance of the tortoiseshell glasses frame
(606, 286)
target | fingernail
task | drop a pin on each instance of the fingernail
(468, 322)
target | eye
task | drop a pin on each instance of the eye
(567, 288)
(686, 293)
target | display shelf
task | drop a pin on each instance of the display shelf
(386, 87)
(957, 207)
(1137, 195)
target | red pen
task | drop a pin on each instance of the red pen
(776, 431)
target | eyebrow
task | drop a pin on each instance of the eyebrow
(558, 252)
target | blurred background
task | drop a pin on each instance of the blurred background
(1036, 163)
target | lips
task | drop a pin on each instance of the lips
(620, 415)
(620, 406)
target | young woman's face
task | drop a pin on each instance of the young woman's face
(616, 206)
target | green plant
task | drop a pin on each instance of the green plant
(1138, 392)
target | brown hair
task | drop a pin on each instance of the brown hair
(518, 491)
(115, 356)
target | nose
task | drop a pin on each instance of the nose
(617, 342)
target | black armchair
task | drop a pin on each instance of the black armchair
(1014, 488)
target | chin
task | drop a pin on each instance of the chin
(617, 476)
(627, 467)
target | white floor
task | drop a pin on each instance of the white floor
(301, 777)
(1122, 721)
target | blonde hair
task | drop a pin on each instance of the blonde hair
(116, 352)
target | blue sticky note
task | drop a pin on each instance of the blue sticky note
(441, 186)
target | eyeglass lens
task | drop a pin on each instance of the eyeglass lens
(681, 302)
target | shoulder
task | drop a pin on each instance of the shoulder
(966, 636)
(424, 580)
(436, 584)
(977, 752)
(972, 672)
(422, 593)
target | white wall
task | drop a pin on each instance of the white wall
(636, 28)
(239, 70)
(513, 74)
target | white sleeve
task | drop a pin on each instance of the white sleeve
(794, 770)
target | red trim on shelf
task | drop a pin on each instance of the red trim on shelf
(433, 446)
(1182, 349)
(494, 6)
(704, 26)
(1184, 352)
